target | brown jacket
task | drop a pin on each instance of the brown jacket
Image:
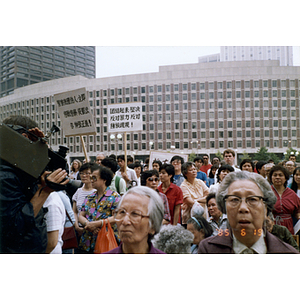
(223, 244)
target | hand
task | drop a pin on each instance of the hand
(91, 226)
(125, 177)
(79, 230)
(57, 176)
(36, 131)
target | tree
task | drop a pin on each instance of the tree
(291, 151)
(245, 156)
(219, 155)
(262, 154)
(192, 156)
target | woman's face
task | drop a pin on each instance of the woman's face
(198, 235)
(191, 173)
(223, 174)
(278, 178)
(213, 171)
(243, 219)
(97, 182)
(130, 232)
(152, 182)
(213, 208)
(85, 176)
(75, 165)
(138, 171)
(247, 167)
(297, 177)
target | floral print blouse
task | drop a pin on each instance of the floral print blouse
(96, 210)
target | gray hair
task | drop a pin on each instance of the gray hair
(155, 207)
(269, 196)
(185, 167)
(173, 240)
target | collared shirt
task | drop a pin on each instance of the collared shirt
(178, 179)
(221, 224)
(259, 247)
(131, 175)
(202, 176)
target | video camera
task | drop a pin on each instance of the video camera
(33, 156)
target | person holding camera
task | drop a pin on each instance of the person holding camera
(22, 223)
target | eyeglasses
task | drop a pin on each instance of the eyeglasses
(235, 201)
(152, 179)
(84, 174)
(135, 216)
(93, 178)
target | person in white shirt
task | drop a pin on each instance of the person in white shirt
(128, 174)
(229, 157)
(55, 220)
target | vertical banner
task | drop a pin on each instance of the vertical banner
(74, 112)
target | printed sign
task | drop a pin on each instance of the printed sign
(164, 157)
(124, 117)
(75, 113)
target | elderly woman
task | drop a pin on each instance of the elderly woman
(96, 207)
(173, 240)
(139, 217)
(288, 203)
(200, 228)
(193, 190)
(245, 197)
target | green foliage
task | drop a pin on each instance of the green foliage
(291, 151)
(263, 154)
(245, 156)
(192, 156)
(219, 155)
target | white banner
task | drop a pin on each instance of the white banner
(75, 113)
(125, 117)
(164, 157)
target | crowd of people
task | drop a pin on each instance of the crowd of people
(175, 208)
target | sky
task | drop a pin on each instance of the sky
(117, 60)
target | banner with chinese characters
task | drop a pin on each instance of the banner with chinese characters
(75, 113)
(125, 117)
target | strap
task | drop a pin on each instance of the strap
(69, 218)
(118, 183)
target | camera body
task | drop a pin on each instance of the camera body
(32, 157)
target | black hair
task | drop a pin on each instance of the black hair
(210, 196)
(283, 170)
(222, 168)
(110, 163)
(169, 169)
(85, 166)
(177, 157)
(259, 165)
(211, 175)
(204, 225)
(197, 158)
(294, 185)
(149, 173)
(122, 157)
(247, 160)
(157, 161)
(105, 173)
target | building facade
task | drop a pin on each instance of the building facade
(190, 108)
(242, 53)
(21, 66)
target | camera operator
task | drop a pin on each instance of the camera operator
(22, 225)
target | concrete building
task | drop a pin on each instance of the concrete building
(189, 108)
(21, 66)
(243, 53)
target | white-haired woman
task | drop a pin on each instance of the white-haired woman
(139, 217)
(246, 198)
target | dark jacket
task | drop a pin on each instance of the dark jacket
(223, 244)
(20, 231)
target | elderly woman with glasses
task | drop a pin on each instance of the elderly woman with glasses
(246, 198)
(96, 207)
(139, 217)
